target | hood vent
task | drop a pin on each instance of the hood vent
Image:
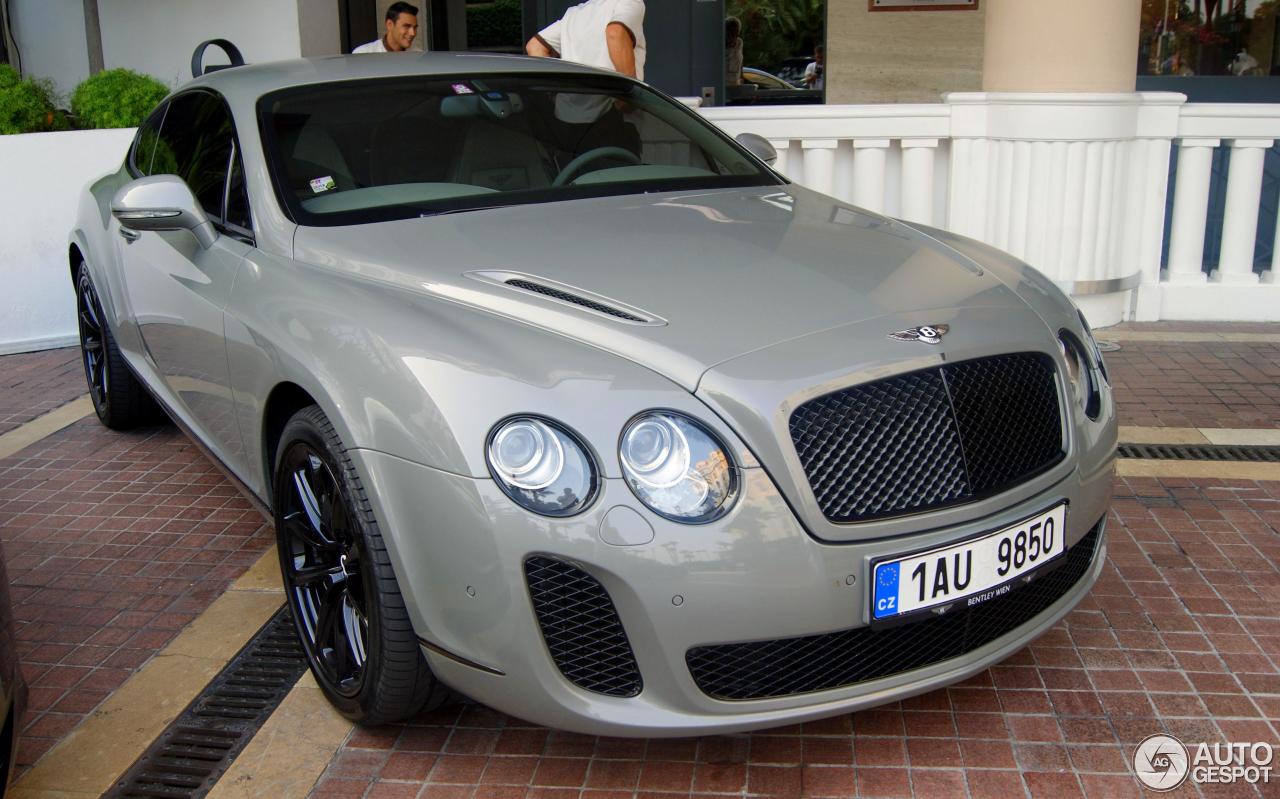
(564, 296)
(570, 295)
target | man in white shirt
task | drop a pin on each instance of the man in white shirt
(402, 28)
(815, 73)
(608, 34)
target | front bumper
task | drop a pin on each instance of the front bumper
(459, 546)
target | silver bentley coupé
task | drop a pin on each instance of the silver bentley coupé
(563, 399)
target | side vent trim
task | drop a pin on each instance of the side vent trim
(570, 295)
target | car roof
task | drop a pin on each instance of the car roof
(254, 80)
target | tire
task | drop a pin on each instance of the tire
(119, 398)
(342, 592)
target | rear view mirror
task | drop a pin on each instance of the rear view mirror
(162, 202)
(758, 146)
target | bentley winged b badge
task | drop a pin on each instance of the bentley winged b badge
(929, 334)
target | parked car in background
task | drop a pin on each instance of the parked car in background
(563, 398)
(760, 88)
(13, 690)
(792, 70)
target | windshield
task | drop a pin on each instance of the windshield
(371, 150)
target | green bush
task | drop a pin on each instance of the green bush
(116, 98)
(495, 24)
(27, 106)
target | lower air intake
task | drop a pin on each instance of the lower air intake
(582, 628)
(788, 666)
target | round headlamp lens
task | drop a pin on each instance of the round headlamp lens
(528, 454)
(541, 466)
(1081, 374)
(656, 452)
(677, 467)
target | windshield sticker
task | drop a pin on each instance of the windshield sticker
(321, 185)
(462, 88)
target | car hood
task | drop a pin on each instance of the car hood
(709, 275)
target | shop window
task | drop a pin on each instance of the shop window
(1182, 38)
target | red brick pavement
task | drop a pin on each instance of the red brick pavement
(1181, 634)
(37, 382)
(1197, 384)
(114, 542)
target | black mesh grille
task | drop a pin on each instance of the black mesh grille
(762, 669)
(929, 439)
(599, 307)
(581, 628)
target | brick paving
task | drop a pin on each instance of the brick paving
(37, 382)
(1197, 384)
(1181, 635)
(114, 542)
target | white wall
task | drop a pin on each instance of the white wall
(318, 27)
(51, 41)
(157, 37)
(37, 306)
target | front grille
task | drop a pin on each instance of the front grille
(581, 628)
(930, 439)
(787, 666)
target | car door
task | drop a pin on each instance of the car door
(177, 289)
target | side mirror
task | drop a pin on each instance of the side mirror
(162, 202)
(758, 146)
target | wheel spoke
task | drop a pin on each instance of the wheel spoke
(330, 600)
(308, 497)
(356, 627)
(297, 525)
(312, 574)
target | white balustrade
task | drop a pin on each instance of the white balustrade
(1075, 184)
(1240, 218)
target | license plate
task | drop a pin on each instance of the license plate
(971, 572)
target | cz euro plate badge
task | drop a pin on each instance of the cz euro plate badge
(968, 573)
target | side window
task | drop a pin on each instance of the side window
(195, 144)
(144, 144)
(238, 197)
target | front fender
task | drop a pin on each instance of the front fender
(92, 236)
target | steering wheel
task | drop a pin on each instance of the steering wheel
(575, 166)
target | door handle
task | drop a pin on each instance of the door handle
(129, 235)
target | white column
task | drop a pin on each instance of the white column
(783, 146)
(820, 164)
(917, 179)
(868, 173)
(1190, 210)
(1240, 217)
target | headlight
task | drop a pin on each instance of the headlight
(1093, 346)
(1080, 372)
(541, 466)
(677, 467)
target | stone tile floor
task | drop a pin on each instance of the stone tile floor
(115, 541)
(37, 382)
(1197, 384)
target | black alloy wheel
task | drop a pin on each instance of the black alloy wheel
(119, 398)
(341, 589)
(324, 569)
(92, 349)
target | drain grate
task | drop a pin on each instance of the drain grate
(190, 756)
(1200, 452)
